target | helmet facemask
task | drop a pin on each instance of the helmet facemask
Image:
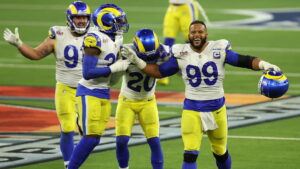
(78, 9)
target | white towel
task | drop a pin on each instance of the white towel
(208, 121)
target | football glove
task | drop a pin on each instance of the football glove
(12, 38)
(119, 65)
(266, 66)
(132, 57)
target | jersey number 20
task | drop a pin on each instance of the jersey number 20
(140, 77)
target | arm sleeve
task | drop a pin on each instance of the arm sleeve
(90, 71)
(169, 68)
(238, 60)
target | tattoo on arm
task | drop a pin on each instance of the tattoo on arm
(45, 51)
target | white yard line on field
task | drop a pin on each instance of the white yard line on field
(265, 138)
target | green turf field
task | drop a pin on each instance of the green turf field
(280, 47)
(267, 152)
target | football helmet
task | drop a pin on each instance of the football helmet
(146, 45)
(109, 18)
(78, 8)
(273, 84)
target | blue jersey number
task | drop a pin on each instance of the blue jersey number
(138, 78)
(194, 73)
(72, 60)
(110, 57)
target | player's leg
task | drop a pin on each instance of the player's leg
(218, 139)
(191, 128)
(188, 13)
(94, 113)
(65, 107)
(170, 26)
(124, 120)
(149, 121)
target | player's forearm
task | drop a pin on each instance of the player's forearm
(152, 70)
(30, 53)
(90, 69)
(255, 64)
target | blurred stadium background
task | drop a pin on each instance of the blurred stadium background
(277, 43)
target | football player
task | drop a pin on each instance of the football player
(100, 60)
(179, 15)
(137, 99)
(65, 43)
(201, 64)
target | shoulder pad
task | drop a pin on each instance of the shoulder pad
(222, 43)
(52, 33)
(91, 40)
(179, 50)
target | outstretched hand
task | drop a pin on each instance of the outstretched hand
(12, 38)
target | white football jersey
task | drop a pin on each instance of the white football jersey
(68, 54)
(202, 73)
(180, 1)
(109, 55)
(136, 84)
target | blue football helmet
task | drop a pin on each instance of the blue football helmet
(146, 45)
(273, 84)
(78, 8)
(109, 18)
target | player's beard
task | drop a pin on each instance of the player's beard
(198, 47)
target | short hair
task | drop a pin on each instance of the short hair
(197, 22)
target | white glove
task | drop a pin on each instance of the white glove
(12, 38)
(266, 65)
(119, 65)
(132, 57)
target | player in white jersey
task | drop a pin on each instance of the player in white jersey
(201, 64)
(137, 99)
(100, 60)
(65, 43)
(179, 15)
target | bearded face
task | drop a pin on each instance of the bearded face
(198, 36)
(197, 43)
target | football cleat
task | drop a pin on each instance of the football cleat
(78, 8)
(273, 84)
(146, 45)
(109, 18)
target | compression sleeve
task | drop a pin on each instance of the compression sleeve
(169, 68)
(90, 71)
(238, 60)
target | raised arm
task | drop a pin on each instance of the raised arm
(43, 50)
(246, 61)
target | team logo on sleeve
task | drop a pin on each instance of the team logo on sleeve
(92, 40)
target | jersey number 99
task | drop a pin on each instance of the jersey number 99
(209, 70)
